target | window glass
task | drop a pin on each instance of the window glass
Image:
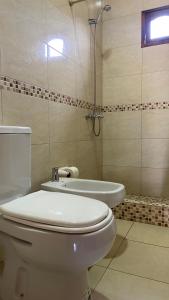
(54, 48)
(155, 26)
(159, 27)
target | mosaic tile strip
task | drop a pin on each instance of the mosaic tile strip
(148, 210)
(136, 107)
(29, 89)
(24, 88)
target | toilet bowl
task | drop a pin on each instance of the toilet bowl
(48, 239)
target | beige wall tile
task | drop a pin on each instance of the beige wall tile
(122, 31)
(21, 110)
(122, 125)
(148, 4)
(63, 154)
(156, 58)
(83, 34)
(144, 260)
(154, 182)
(124, 153)
(59, 24)
(155, 153)
(132, 75)
(40, 165)
(59, 3)
(56, 127)
(129, 176)
(84, 82)
(121, 90)
(23, 51)
(63, 122)
(88, 159)
(85, 130)
(61, 75)
(122, 61)
(155, 86)
(123, 8)
(155, 124)
(117, 285)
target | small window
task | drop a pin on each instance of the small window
(155, 26)
(54, 48)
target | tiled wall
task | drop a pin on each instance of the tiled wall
(61, 135)
(135, 143)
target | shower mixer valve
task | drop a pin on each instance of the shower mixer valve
(94, 115)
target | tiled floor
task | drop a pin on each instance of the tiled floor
(137, 268)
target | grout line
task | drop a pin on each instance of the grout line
(124, 237)
(2, 106)
(139, 276)
(134, 139)
(107, 267)
(141, 130)
(150, 244)
(129, 166)
(130, 229)
(134, 74)
(100, 277)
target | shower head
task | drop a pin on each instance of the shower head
(104, 8)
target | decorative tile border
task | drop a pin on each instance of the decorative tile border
(136, 107)
(29, 89)
(18, 86)
(148, 210)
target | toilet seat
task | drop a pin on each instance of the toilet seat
(53, 212)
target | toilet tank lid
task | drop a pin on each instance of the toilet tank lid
(14, 130)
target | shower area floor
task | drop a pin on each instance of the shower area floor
(150, 210)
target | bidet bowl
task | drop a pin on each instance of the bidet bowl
(109, 192)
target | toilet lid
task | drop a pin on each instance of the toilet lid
(58, 209)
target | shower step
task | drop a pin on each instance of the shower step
(150, 210)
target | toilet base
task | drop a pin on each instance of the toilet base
(33, 283)
(21, 280)
(60, 285)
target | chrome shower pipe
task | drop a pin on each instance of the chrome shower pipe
(71, 2)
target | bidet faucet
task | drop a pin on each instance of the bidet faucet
(55, 174)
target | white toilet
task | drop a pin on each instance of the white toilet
(48, 239)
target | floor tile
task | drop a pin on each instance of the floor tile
(123, 226)
(143, 260)
(149, 234)
(94, 275)
(122, 229)
(119, 286)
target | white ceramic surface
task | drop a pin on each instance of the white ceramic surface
(40, 257)
(109, 192)
(65, 212)
(15, 162)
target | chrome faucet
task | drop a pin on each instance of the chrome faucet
(55, 174)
